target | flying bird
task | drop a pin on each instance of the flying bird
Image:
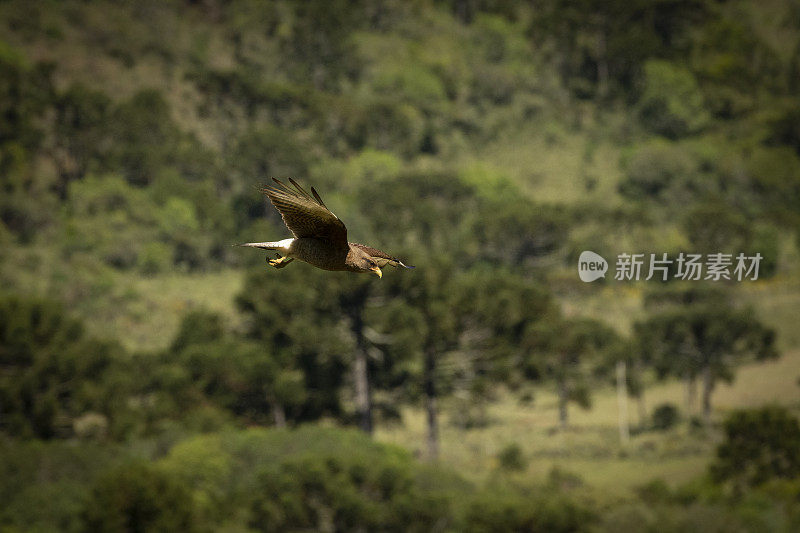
(320, 238)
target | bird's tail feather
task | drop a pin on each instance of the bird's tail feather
(263, 245)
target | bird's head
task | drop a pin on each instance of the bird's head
(373, 267)
(364, 263)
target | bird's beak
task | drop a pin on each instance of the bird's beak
(377, 271)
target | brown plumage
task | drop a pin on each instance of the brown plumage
(320, 238)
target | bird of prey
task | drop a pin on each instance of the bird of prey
(320, 238)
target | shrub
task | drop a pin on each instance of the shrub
(364, 487)
(52, 371)
(713, 226)
(760, 444)
(655, 171)
(502, 509)
(671, 103)
(138, 498)
(512, 458)
(775, 177)
(144, 136)
(665, 416)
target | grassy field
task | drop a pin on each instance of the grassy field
(590, 447)
(162, 301)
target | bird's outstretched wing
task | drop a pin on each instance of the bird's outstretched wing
(381, 258)
(305, 214)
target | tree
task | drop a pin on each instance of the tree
(319, 42)
(427, 295)
(562, 347)
(295, 318)
(145, 141)
(364, 487)
(599, 48)
(26, 92)
(760, 444)
(267, 151)
(353, 301)
(659, 170)
(197, 327)
(501, 310)
(671, 103)
(51, 371)
(714, 227)
(705, 337)
(454, 331)
(82, 127)
(628, 361)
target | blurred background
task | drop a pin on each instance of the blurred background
(153, 377)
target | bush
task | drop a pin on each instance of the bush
(714, 226)
(44, 485)
(502, 509)
(144, 137)
(671, 103)
(363, 487)
(775, 177)
(138, 498)
(268, 151)
(52, 371)
(512, 458)
(665, 416)
(656, 171)
(760, 444)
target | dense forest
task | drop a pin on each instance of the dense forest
(155, 377)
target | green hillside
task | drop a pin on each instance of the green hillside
(487, 142)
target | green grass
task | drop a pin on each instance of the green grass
(142, 312)
(149, 316)
(590, 447)
(554, 165)
(153, 316)
(552, 158)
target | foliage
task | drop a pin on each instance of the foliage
(300, 330)
(500, 509)
(44, 483)
(127, 228)
(511, 457)
(53, 373)
(138, 497)
(82, 132)
(145, 137)
(658, 171)
(560, 349)
(704, 336)
(671, 103)
(713, 227)
(597, 46)
(774, 174)
(473, 137)
(325, 491)
(760, 444)
(314, 477)
(665, 416)
(25, 91)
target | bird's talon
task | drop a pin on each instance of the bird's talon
(280, 262)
